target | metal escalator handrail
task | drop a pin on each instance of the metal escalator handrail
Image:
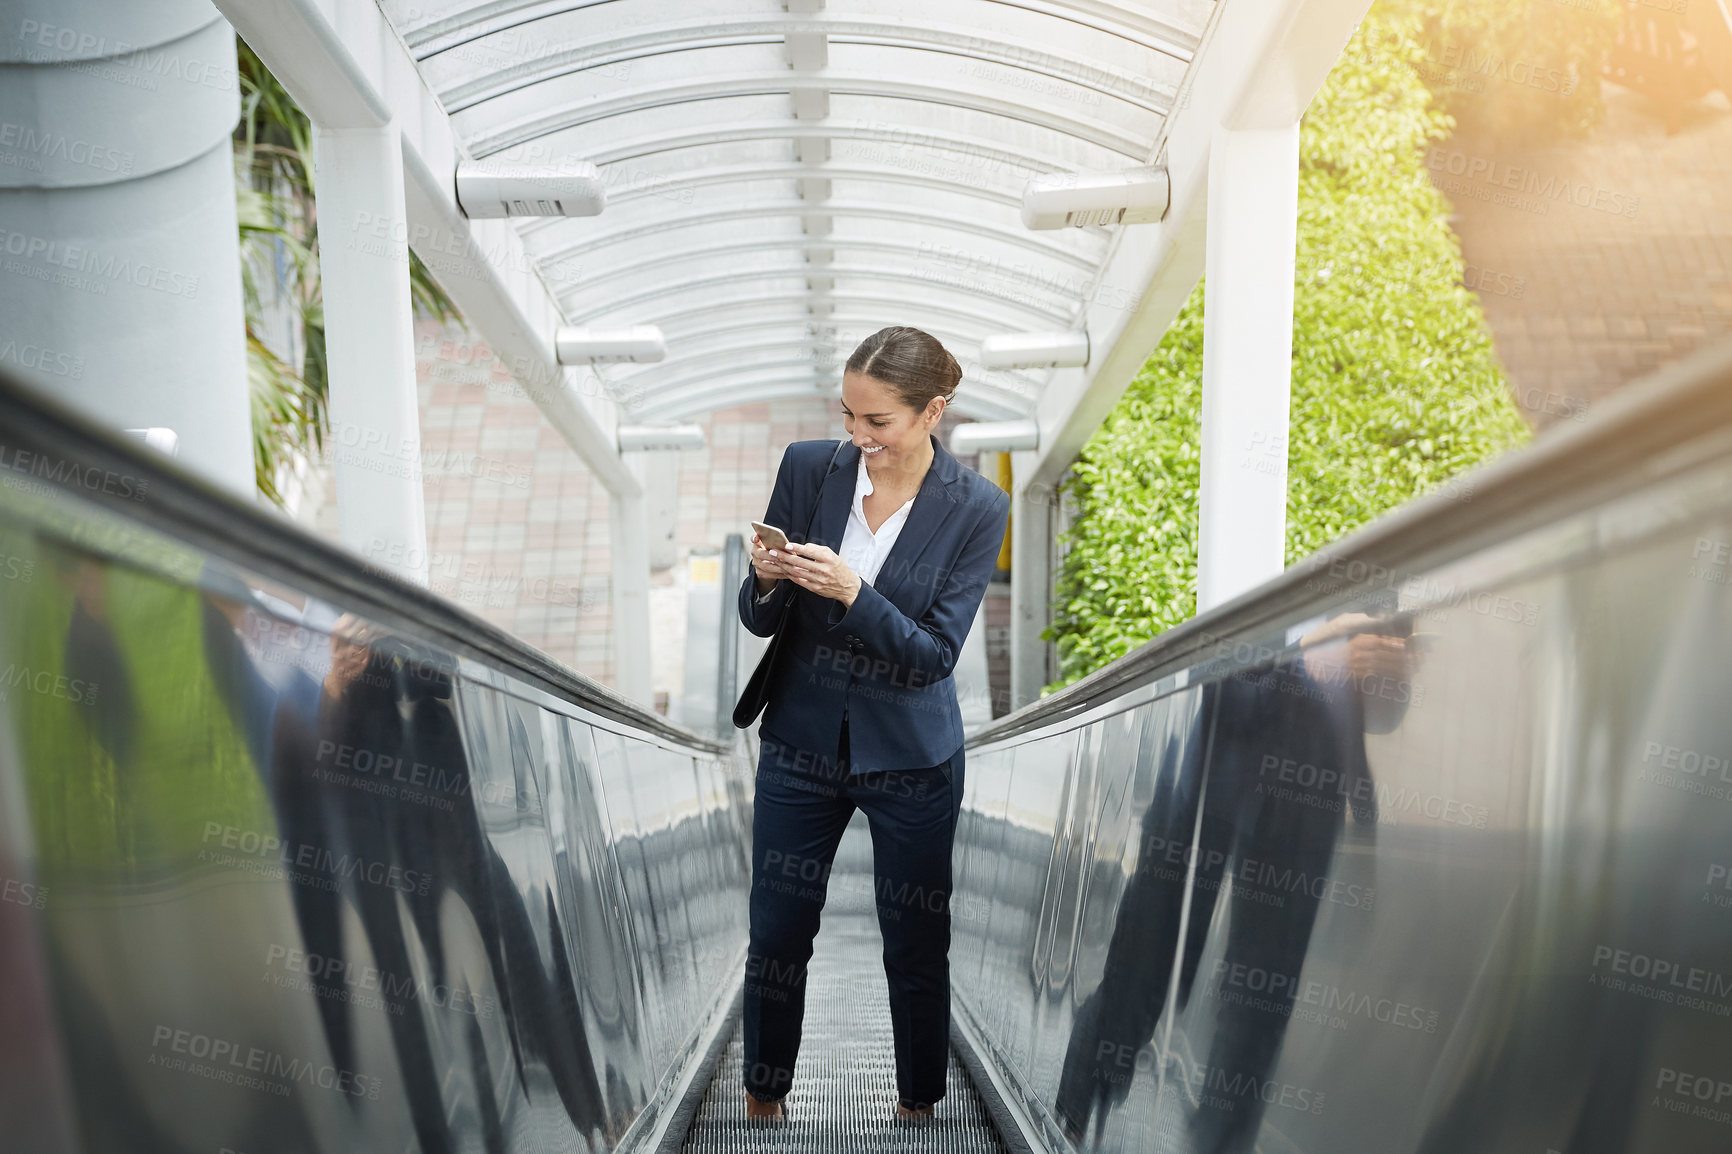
(1635, 435)
(190, 508)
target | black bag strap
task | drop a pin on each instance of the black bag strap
(818, 497)
(817, 500)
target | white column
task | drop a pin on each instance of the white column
(628, 539)
(120, 291)
(375, 433)
(1247, 359)
(973, 681)
(1030, 581)
(659, 477)
(709, 611)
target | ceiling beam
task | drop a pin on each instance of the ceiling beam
(1017, 236)
(716, 366)
(666, 186)
(725, 395)
(1144, 29)
(975, 43)
(974, 150)
(904, 305)
(1051, 307)
(747, 340)
(754, 83)
(803, 246)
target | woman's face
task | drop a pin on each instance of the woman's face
(888, 432)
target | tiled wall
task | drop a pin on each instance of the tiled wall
(727, 483)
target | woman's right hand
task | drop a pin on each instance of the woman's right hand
(767, 564)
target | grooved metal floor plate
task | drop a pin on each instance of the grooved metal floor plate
(844, 1095)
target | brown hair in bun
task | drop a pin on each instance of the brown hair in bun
(913, 363)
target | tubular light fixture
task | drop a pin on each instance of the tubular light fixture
(582, 345)
(994, 437)
(490, 189)
(1034, 350)
(639, 438)
(1061, 199)
(161, 439)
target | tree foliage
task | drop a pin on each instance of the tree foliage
(1395, 387)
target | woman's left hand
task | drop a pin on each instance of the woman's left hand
(816, 567)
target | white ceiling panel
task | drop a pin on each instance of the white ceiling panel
(782, 184)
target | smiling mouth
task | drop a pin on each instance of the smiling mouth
(873, 449)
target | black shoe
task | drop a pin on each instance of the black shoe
(773, 1111)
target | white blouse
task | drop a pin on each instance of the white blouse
(863, 550)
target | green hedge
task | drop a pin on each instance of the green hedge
(1395, 385)
(1515, 71)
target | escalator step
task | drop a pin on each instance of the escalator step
(844, 1095)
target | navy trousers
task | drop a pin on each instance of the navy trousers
(804, 801)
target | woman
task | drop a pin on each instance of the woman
(862, 709)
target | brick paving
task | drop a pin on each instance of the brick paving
(1584, 298)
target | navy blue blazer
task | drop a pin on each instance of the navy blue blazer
(887, 659)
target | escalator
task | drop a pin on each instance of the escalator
(1421, 848)
(844, 1096)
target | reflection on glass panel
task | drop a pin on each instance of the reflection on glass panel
(301, 882)
(1445, 871)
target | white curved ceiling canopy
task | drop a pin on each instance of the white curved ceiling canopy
(784, 178)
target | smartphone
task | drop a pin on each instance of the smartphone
(1393, 625)
(772, 537)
